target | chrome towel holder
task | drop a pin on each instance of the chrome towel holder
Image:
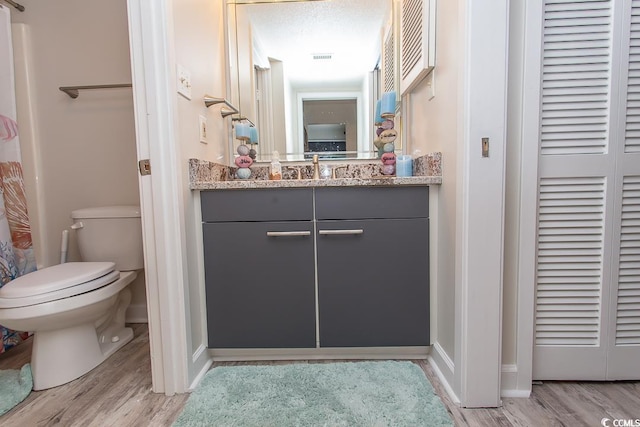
(227, 110)
(73, 91)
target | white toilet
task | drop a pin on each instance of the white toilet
(77, 310)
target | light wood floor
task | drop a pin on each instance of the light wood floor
(118, 393)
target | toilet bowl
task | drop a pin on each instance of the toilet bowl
(76, 310)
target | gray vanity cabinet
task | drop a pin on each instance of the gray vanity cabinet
(259, 273)
(362, 251)
(373, 266)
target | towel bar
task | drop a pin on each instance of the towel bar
(73, 91)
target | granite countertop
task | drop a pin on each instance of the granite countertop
(293, 183)
(205, 175)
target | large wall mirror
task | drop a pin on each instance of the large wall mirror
(308, 73)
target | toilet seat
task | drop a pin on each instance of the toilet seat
(57, 282)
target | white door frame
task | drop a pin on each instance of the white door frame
(480, 222)
(481, 197)
(528, 209)
(334, 95)
(150, 27)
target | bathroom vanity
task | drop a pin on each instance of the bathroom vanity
(316, 267)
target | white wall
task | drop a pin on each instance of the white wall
(199, 48)
(365, 128)
(245, 70)
(433, 126)
(280, 108)
(86, 146)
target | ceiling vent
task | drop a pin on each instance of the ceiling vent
(322, 56)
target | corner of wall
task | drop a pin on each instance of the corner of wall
(201, 364)
(444, 368)
(509, 386)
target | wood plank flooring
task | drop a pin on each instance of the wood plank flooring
(118, 393)
(552, 403)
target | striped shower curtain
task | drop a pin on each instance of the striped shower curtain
(16, 249)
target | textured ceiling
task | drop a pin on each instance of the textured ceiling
(349, 30)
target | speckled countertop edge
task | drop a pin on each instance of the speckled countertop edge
(295, 183)
(205, 175)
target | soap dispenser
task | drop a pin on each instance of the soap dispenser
(275, 172)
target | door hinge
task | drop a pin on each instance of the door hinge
(145, 167)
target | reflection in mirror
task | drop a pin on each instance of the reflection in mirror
(305, 71)
(330, 125)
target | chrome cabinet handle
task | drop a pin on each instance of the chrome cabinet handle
(288, 233)
(340, 232)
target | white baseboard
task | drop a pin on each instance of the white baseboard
(198, 353)
(200, 357)
(509, 383)
(444, 368)
(136, 313)
(254, 354)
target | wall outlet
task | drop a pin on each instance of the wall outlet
(184, 82)
(203, 129)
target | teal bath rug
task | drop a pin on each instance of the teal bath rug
(15, 386)
(367, 394)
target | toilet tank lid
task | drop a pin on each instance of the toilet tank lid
(107, 212)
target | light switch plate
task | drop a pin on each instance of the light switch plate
(203, 129)
(184, 82)
(431, 85)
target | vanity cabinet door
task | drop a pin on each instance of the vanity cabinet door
(260, 284)
(373, 282)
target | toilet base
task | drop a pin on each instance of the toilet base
(63, 354)
(77, 351)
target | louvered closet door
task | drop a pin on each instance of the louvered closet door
(624, 322)
(589, 194)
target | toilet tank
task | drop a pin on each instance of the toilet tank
(110, 233)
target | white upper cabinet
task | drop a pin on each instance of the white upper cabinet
(417, 41)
